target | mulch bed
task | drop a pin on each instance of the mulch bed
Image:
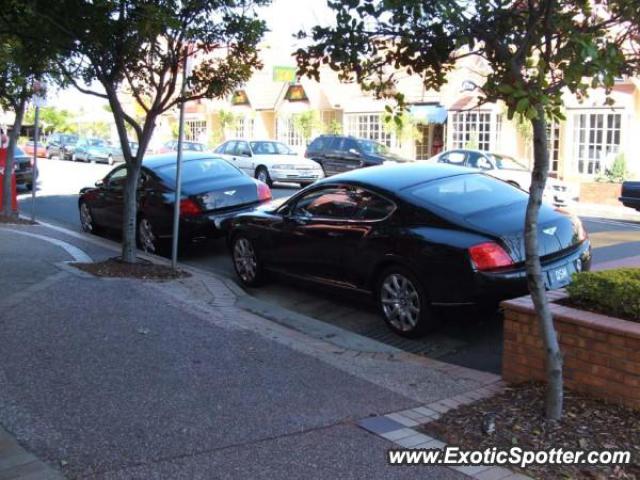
(143, 269)
(587, 424)
(16, 220)
(568, 302)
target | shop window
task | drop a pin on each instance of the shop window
(195, 131)
(596, 141)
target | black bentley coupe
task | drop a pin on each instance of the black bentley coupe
(415, 235)
(212, 191)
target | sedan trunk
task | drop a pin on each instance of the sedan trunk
(555, 234)
(229, 193)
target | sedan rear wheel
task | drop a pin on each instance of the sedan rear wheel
(246, 262)
(262, 174)
(146, 237)
(86, 219)
(403, 302)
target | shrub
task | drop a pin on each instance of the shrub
(612, 292)
(618, 172)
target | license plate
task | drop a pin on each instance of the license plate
(561, 274)
(558, 277)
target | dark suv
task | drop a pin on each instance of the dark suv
(61, 145)
(338, 153)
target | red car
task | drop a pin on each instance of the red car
(28, 149)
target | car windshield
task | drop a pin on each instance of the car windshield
(271, 148)
(373, 148)
(198, 169)
(506, 163)
(465, 194)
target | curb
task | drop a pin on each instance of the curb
(399, 428)
(77, 254)
(16, 463)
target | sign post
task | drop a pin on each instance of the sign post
(39, 100)
(186, 67)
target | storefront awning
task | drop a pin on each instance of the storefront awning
(427, 114)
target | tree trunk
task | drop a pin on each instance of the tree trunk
(535, 275)
(7, 209)
(130, 213)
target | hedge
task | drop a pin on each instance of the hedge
(612, 292)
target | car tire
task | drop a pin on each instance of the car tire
(87, 222)
(246, 262)
(262, 174)
(404, 303)
(147, 238)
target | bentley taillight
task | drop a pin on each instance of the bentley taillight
(489, 256)
(189, 208)
(264, 192)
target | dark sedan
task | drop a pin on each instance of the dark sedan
(24, 169)
(212, 191)
(415, 235)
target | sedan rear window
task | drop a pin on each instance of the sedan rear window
(197, 169)
(466, 194)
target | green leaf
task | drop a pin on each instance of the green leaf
(522, 105)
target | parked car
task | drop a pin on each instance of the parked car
(28, 148)
(61, 145)
(270, 161)
(95, 150)
(212, 191)
(415, 235)
(337, 153)
(24, 169)
(505, 168)
(172, 146)
(98, 150)
(631, 195)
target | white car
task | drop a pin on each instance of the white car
(505, 168)
(270, 161)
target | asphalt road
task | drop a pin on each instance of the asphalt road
(467, 337)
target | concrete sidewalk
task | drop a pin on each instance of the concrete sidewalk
(117, 378)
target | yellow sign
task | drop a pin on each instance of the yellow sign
(284, 74)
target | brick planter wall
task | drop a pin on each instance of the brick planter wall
(601, 193)
(601, 354)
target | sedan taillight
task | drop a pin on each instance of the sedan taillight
(489, 255)
(189, 208)
(264, 192)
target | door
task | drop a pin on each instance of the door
(244, 158)
(334, 157)
(312, 231)
(113, 198)
(229, 152)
